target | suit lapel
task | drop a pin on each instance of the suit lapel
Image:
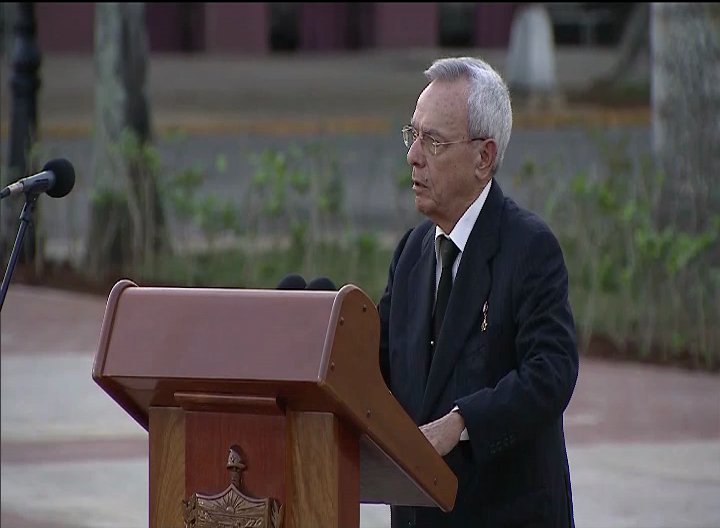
(470, 290)
(419, 318)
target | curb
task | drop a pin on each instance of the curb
(204, 125)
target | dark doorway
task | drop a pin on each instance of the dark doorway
(284, 26)
(457, 24)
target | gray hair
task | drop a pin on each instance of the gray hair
(489, 109)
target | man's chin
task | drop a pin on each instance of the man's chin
(423, 206)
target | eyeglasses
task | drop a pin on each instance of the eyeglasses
(430, 143)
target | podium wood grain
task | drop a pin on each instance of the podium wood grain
(323, 488)
(167, 466)
(261, 438)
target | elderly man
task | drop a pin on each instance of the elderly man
(478, 339)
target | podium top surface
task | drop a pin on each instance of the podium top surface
(305, 350)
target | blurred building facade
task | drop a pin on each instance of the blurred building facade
(270, 27)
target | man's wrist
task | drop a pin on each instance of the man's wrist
(464, 434)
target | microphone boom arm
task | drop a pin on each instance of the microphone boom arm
(25, 215)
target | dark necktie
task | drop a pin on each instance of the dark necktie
(448, 253)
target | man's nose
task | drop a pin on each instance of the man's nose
(415, 155)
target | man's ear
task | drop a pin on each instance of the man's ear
(485, 159)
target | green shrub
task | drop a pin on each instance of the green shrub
(651, 288)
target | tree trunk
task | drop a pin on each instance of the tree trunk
(685, 41)
(23, 85)
(634, 42)
(127, 227)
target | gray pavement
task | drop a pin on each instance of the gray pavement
(643, 441)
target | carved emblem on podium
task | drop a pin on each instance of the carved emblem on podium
(232, 508)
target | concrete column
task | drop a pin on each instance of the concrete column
(530, 68)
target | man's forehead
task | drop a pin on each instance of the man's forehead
(442, 105)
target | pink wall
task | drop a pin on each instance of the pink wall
(65, 27)
(399, 24)
(323, 25)
(492, 24)
(175, 27)
(236, 27)
(244, 27)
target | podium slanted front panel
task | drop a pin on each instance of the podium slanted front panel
(397, 463)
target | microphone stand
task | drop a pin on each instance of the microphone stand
(27, 210)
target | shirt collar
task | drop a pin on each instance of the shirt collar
(461, 232)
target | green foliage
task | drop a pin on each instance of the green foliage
(648, 285)
(127, 229)
(211, 214)
(297, 192)
(105, 198)
(229, 267)
(291, 219)
(633, 278)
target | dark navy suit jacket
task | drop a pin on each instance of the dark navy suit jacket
(512, 380)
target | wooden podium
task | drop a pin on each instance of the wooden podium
(290, 380)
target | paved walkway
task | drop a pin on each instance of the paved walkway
(643, 442)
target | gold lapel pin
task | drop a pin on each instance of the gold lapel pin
(483, 327)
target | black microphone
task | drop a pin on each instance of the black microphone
(292, 282)
(56, 179)
(321, 283)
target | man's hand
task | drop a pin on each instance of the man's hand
(444, 433)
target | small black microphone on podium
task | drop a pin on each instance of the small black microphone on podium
(56, 179)
(321, 283)
(292, 281)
